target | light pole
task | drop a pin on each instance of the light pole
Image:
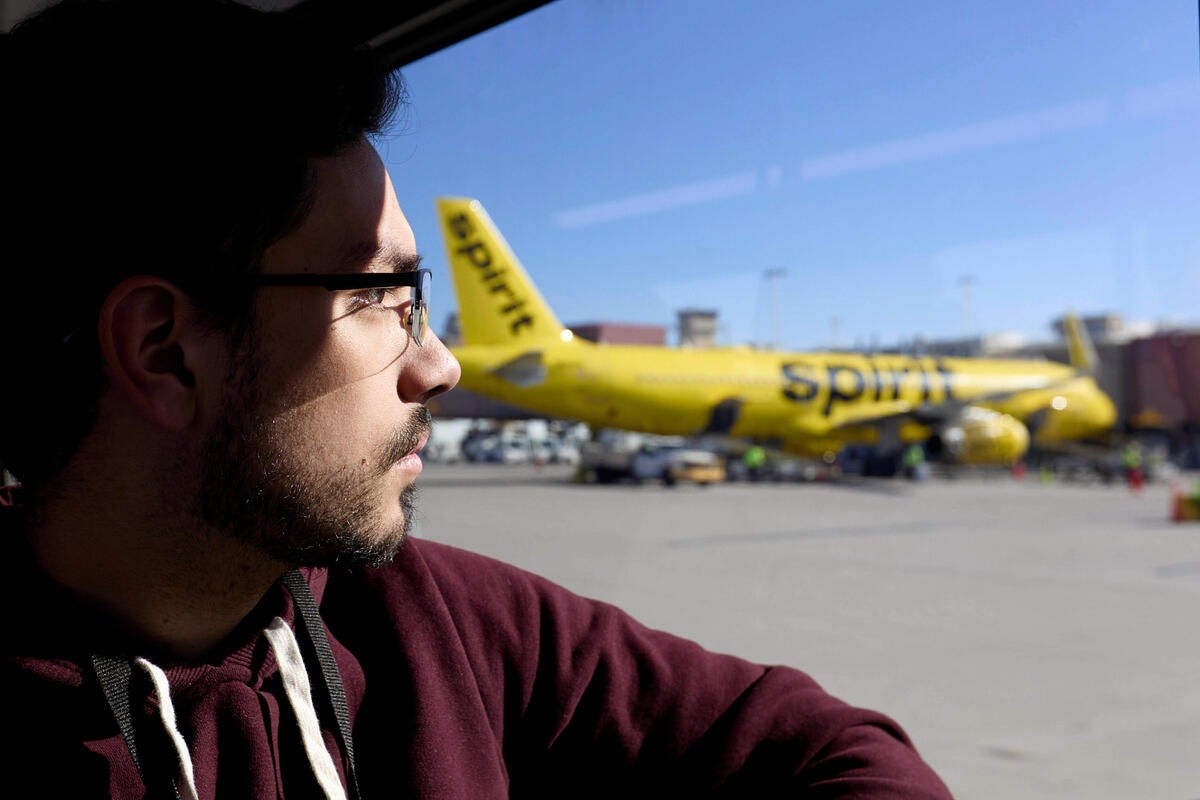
(771, 276)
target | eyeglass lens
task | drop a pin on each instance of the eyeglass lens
(419, 311)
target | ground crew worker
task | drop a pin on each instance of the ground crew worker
(1131, 457)
(754, 459)
(913, 461)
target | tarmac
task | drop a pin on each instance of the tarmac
(1036, 641)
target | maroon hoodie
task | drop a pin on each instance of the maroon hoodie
(465, 678)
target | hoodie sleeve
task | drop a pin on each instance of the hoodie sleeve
(588, 702)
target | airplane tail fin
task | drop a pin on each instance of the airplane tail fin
(1079, 345)
(497, 302)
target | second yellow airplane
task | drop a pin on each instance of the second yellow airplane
(974, 410)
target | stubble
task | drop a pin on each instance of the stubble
(253, 488)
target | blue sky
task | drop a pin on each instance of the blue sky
(645, 156)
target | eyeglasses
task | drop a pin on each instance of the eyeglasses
(415, 319)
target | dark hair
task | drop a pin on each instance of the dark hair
(148, 137)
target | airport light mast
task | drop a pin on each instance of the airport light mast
(772, 276)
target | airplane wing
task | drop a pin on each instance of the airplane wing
(933, 413)
(876, 413)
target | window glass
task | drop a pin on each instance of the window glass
(924, 169)
(940, 177)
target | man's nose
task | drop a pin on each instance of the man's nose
(431, 369)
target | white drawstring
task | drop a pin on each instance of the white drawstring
(295, 684)
(166, 710)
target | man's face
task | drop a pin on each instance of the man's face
(309, 456)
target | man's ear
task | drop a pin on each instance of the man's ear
(147, 337)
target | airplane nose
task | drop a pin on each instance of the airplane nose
(1094, 411)
(1106, 412)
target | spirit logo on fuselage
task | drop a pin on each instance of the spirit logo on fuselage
(867, 380)
(493, 275)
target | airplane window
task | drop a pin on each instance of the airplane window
(951, 243)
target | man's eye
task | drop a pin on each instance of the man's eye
(375, 297)
(389, 297)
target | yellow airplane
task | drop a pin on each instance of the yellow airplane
(975, 410)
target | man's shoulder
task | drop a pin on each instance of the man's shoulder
(430, 565)
(430, 583)
(440, 556)
(552, 668)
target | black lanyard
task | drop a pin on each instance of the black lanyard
(115, 674)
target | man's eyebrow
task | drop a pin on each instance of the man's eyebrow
(403, 262)
(378, 257)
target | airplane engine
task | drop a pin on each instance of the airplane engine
(982, 436)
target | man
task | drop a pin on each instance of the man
(222, 364)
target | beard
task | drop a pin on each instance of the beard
(253, 489)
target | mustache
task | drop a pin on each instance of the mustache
(406, 438)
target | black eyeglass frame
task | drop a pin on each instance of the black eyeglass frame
(417, 320)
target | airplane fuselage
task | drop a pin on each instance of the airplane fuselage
(798, 397)
(811, 403)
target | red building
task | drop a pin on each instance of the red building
(1163, 387)
(620, 333)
